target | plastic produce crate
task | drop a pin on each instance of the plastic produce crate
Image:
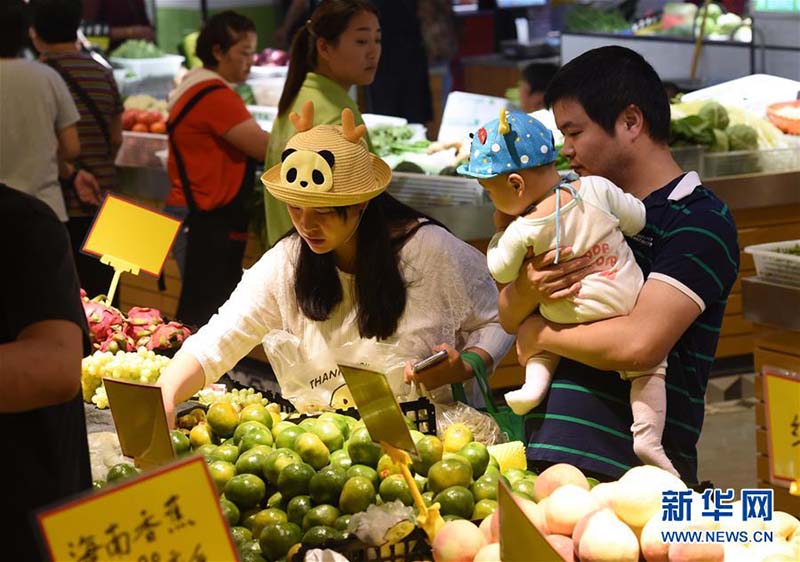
(773, 265)
(423, 190)
(141, 149)
(413, 548)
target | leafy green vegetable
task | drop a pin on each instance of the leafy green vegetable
(586, 18)
(562, 162)
(742, 137)
(389, 139)
(246, 93)
(715, 114)
(721, 142)
(137, 49)
(692, 130)
(792, 250)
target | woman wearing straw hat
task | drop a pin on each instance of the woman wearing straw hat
(337, 48)
(358, 265)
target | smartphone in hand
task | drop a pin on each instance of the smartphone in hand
(437, 357)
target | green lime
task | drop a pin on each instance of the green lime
(312, 450)
(514, 474)
(427, 497)
(361, 448)
(421, 481)
(447, 473)
(251, 462)
(245, 490)
(297, 508)
(206, 451)
(484, 489)
(120, 472)
(320, 515)
(255, 437)
(277, 461)
(221, 473)
(226, 452)
(180, 443)
(241, 535)
(493, 462)
(200, 435)
(339, 420)
(592, 482)
(523, 486)
(308, 423)
(366, 471)
(393, 488)
(269, 516)
(286, 438)
(451, 517)
(456, 500)
(256, 412)
(416, 436)
(357, 494)
(280, 426)
(277, 539)
(229, 511)
(342, 522)
(319, 534)
(250, 547)
(478, 457)
(430, 452)
(223, 418)
(483, 509)
(276, 500)
(386, 467)
(330, 434)
(98, 484)
(326, 485)
(251, 556)
(340, 459)
(246, 427)
(293, 480)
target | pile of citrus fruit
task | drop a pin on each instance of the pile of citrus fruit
(283, 483)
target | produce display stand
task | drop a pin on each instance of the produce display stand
(773, 309)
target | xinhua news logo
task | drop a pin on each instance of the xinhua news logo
(716, 505)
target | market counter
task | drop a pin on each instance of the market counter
(773, 309)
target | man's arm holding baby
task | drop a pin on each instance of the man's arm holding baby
(635, 342)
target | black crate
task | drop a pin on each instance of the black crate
(413, 548)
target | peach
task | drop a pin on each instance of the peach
(653, 548)
(604, 493)
(566, 506)
(490, 528)
(556, 476)
(458, 541)
(637, 496)
(489, 553)
(783, 524)
(706, 552)
(607, 539)
(580, 526)
(563, 546)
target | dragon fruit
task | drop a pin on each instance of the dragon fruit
(141, 323)
(168, 336)
(118, 341)
(103, 320)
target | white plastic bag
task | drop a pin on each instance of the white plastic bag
(484, 429)
(306, 371)
(386, 358)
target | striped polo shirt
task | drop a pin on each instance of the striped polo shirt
(690, 242)
(99, 84)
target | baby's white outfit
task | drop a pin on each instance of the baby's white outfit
(593, 223)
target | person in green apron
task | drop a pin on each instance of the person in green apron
(213, 141)
(337, 48)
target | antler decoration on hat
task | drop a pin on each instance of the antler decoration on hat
(306, 121)
(503, 127)
(349, 129)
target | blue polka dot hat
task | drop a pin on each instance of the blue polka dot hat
(513, 142)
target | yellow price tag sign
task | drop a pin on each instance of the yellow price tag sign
(169, 514)
(782, 408)
(520, 540)
(129, 237)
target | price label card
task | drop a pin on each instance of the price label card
(169, 514)
(520, 540)
(782, 407)
(134, 234)
(140, 420)
(465, 113)
(378, 407)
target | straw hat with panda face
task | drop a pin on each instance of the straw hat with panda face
(327, 165)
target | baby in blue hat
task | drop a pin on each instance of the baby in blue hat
(513, 159)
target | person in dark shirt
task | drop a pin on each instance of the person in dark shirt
(126, 18)
(43, 336)
(614, 113)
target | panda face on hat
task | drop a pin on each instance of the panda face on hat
(307, 169)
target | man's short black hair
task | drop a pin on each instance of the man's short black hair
(538, 75)
(56, 21)
(223, 30)
(13, 27)
(607, 80)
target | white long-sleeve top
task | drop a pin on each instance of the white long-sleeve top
(592, 224)
(451, 298)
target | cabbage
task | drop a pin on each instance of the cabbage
(742, 137)
(714, 11)
(714, 114)
(721, 143)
